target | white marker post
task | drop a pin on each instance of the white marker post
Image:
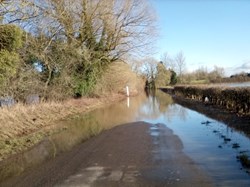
(127, 89)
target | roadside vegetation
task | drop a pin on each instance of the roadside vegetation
(236, 100)
(61, 49)
(53, 51)
(22, 126)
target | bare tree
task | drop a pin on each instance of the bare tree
(93, 32)
(114, 26)
(217, 74)
(220, 71)
(201, 73)
(20, 12)
(180, 64)
(168, 61)
(149, 69)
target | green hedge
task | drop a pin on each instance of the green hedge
(10, 41)
(8, 65)
(233, 99)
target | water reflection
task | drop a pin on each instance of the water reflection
(75, 130)
(214, 146)
(161, 107)
(81, 129)
(156, 105)
(128, 102)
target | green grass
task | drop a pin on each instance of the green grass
(199, 81)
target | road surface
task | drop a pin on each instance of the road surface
(135, 154)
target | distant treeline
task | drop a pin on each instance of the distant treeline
(202, 76)
(242, 77)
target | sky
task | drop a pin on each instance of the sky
(209, 32)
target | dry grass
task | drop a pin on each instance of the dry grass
(21, 126)
(117, 77)
(24, 119)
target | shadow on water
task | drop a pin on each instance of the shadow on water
(210, 143)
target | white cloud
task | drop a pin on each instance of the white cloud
(245, 67)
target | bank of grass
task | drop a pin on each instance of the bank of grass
(22, 126)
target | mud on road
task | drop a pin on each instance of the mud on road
(135, 154)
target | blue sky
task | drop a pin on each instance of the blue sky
(209, 32)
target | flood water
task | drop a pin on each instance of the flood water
(235, 85)
(214, 146)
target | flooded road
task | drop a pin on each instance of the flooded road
(211, 145)
(126, 155)
(236, 85)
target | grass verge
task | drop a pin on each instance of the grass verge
(22, 126)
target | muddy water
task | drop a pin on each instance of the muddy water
(211, 145)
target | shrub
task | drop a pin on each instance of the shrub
(10, 37)
(8, 66)
(173, 78)
(163, 76)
